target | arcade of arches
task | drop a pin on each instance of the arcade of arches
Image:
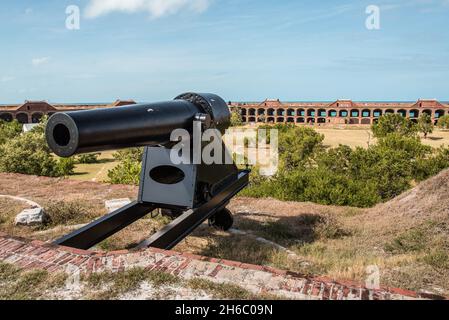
(34, 111)
(339, 112)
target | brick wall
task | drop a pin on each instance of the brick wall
(29, 254)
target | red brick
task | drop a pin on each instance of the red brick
(75, 250)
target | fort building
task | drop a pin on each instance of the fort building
(344, 112)
(339, 112)
(33, 111)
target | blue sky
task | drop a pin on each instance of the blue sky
(244, 50)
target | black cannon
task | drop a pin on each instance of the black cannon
(190, 191)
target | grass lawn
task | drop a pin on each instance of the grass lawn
(96, 171)
(361, 137)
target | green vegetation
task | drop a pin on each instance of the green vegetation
(425, 125)
(128, 169)
(9, 130)
(360, 177)
(443, 122)
(28, 153)
(88, 158)
(236, 118)
(394, 123)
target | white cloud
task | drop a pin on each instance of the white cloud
(156, 8)
(6, 79)
(40, 61)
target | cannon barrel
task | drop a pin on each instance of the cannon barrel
(150, 124)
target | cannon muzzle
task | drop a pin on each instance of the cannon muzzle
(138, 125)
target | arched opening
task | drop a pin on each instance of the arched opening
(260, 112)
(22, 118)
(243, 112)
(310, 113)
(353, 121)
(332, 113)
(439, 114)
(355, 113)
(300, 120)
(343, 113)
(243, 119)
(429, 112)
(36, 117)
(311, 120)
(377, 113)
(300, 112)
(280, 112)
(280, 119)
(321, 120)
(389, 111)
(366, 121)
(252, 119)
(270, 112)
(291, 112)
(414, 114)
(403, 113)
(366, 113)
(322, 113)
(6, 117)
(252, 112)
(270, 120)
(291, 120)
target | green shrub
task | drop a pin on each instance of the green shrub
(28, 153)
(236, 118)
(88, 158)
(443, 122)
(9, 130)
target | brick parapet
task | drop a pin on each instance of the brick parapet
(29, 254)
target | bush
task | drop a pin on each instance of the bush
(236, 118)
(128, 170)
(29, 154)
(443, 122)
(9, 130)
(88, 158)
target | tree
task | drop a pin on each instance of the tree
(236, 118)
(9, 130)
(425, 124)
(393, 123)
(443, 122)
